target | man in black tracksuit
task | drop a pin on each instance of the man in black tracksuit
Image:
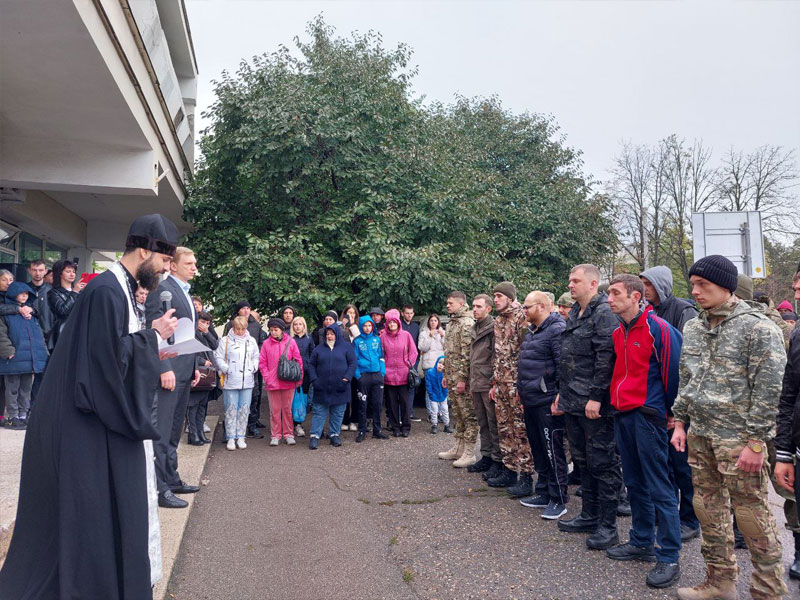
(587, 364)
(537, 386)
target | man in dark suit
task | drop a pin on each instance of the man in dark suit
(178, 375)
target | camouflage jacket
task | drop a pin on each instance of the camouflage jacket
(510, 328)
(456, 347)
(587, 357)
(774, 316)
(731, 374)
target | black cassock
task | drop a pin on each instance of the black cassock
(82, 518)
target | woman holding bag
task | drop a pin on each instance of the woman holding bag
(306, 346)
(400, 353)
(237, 361)
(280, 392)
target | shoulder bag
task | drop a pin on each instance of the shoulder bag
(288, 368)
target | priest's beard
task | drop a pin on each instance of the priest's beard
(148, 276)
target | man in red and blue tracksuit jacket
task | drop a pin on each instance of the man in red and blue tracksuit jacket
(643, 388)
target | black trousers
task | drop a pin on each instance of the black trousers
(255, 402)
(546, 438)
(351, 408)
(196, 412)
(399, 407)
(370, 401)
(594, 450)
(170, 413)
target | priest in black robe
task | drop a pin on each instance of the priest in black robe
(86, 524)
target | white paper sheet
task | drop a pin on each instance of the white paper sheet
(185, 342)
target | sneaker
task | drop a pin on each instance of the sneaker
(299, 431)
(434, 429)
(240, 443)
(290, 441)
(360, 437)
(353, 426)
(206, 428)
(18, 424)
(231, 444)
(689, 533)
(274, 441)
(335, 441)
(628, 551)
(313, 443)
(663, 575)
(415, 419)
(554, 510)
(537, 501)
(447, 429)
(380, 435)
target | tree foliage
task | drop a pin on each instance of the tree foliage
(323, 181)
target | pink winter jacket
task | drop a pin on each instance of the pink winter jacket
(271, 351)
(398, 349)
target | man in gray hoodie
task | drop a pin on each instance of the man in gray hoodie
(675, 311)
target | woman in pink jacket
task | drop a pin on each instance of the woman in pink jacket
(400, 352)
(279, 391)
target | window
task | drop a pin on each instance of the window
(54, 253)
(30, 248)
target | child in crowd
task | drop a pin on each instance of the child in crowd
(23, 353)
(438, 396)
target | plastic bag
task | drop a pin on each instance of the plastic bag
(299, 405)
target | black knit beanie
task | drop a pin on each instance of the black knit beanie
(507, 289)
(275, 322)
(717, 269)
(331, 313)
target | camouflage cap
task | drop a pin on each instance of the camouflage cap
(565, 299)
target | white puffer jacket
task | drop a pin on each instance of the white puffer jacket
(237, 359)
(431, 347)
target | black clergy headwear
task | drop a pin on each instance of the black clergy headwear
(153, 232)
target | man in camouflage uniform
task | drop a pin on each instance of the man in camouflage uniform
(564, 305)
(731, 369)
(510, 327)
(457, 343)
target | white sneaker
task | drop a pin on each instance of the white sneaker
(206, 428)
(274, 441)
(290, 441)
(231, 444)
(241, 444)
(299, 431)
(353, 426)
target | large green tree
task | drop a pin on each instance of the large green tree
(323, 180)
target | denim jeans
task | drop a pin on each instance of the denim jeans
(237, 409)
(321, 412)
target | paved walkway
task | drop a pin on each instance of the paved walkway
(386, 519)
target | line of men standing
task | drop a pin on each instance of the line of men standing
(612, 370)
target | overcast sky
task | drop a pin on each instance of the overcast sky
(726, 72)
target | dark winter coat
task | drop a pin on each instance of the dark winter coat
(587, 357)
(481, 356)
(331, 370)
(539, 358)
(39, 301)
(787, 439)
(25, 336)
(306, 346)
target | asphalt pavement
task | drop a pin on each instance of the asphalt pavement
(387, 519)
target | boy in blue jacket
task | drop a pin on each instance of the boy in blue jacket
(22, 354)
(370, 370)
(437, 395)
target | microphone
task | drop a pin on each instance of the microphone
(166, 304)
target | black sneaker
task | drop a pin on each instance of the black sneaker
(396, 433)
(537, 501)
(18, 424)
(493, 471)
(335, 441)
(628, 551)
(360, 437)
(447, 429)
(523, 487)
(663, 575)
(434, 429)
(554, 510)
(689, 533)
(313, 443)
(415, 419)
(379, 435)
(483, 465)
(506, 478)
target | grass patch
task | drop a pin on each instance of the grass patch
(480, 489)
(393, 540)
(423, 501)
(387, 503)
(408, 576)
(363, 501)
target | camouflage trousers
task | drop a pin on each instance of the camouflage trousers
(464, 413)
(789, 503)
(511, 430)
(718, 484)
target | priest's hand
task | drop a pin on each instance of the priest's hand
(166, 324)
(168, 380)
(196, 379)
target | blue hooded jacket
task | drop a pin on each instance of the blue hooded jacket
(433, 383)
(329, 368)
(30, 352)
(369, 350)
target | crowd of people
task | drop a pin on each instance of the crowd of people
(674, 412)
